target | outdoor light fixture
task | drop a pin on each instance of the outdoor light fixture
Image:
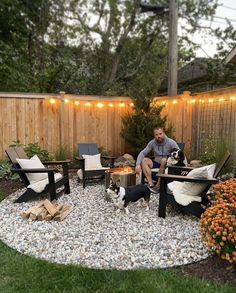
(66, 101)
(111, 105)
(76, 103)
(88, 104)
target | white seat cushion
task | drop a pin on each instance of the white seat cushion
(33, 163)
(40, 185)
(187, 192)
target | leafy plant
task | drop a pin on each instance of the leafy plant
(34, 149)
(5, 170)
(212, 152)
(62, 153)
(218, 222)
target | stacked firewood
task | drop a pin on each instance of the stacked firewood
(46, 210)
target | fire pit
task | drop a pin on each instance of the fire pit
(125, 175)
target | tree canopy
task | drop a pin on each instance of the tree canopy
(102, 47)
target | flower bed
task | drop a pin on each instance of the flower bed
(218, 222)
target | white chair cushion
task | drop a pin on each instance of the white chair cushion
(40, 185)
(92, 162)
(187, 192)
(33, 163)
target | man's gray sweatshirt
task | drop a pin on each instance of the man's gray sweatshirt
(160, 150)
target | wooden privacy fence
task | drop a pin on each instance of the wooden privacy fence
(53, 120)
(202, 116)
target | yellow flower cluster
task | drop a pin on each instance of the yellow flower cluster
(218, 222)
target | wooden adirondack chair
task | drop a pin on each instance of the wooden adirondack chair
(18, 153)
(194, 208)
(91, 149)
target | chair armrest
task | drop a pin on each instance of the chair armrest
(56, 162)
(170, 177)
(108, 157)
(180, 168)
(39, 170)
(80, 158)
(81, 163)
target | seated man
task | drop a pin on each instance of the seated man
(161, 146)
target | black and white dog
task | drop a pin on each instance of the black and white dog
(176, 158)
(122, 196)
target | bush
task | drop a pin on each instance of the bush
(34, 149)
(218, 222)
(5, 170)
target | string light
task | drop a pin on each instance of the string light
(211, 100)
(221, 99)
(76, 103)
(232, 98)
(100, 105)
(52, 101)
(121, 104)
(175, 102)
(111, 105)
(66, 101)
(88, 104)
(193, 101)
(131, 104)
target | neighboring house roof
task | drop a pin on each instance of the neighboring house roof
(193, 71)
(231, 57)
(197, 75)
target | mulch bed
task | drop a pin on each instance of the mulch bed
(211, 269)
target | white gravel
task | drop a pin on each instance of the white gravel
(96, 236)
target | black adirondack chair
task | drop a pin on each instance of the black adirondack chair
(91, 149)
(194, 208)
(51, 188)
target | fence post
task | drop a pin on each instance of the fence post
(62, 111)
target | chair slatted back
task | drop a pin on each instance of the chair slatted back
(221, 164)
(181, 145)
(14, 153)
(87, 149)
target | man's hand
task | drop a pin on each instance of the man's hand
(138, 169)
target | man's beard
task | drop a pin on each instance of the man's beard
(159, 139)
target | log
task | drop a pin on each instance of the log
(43, 215)
(63, 213)
(48, 217)
(26, 213)
(38, 211)
(52, 210)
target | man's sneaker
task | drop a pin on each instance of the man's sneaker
(154, 189)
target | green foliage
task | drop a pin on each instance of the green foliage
(43, 50)
(137, 127)
(62, 153)
(212, 152)
(34, 149)
(5, 170)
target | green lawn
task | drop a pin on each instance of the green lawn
(19, 273)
